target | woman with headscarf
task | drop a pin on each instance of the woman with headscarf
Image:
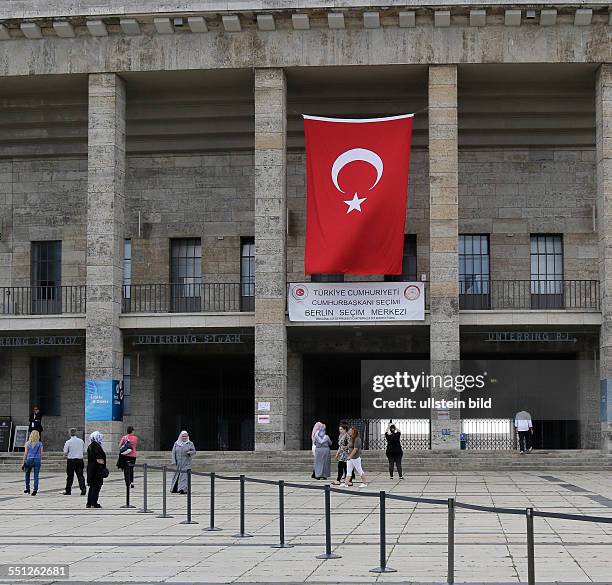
(313, 434)
(322, 460)
(96, 469)
(183, 451)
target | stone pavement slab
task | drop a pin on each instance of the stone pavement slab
(115, 545)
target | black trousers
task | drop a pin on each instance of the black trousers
(128, 470)
(75, 466)
(94, 492)
(524, 440)
(342, 471)
(397, 460)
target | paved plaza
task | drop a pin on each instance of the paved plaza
(118, 545)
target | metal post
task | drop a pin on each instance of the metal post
(164, 513)
(127, 492)
(451, 541)
(530, 548)
(242, 533)
(328, 546)
(383, 539)
(212, 527)
(281, 516)
(144, 509)
(189, 520)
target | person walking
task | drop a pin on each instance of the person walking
(343, 452)
(73, 451)
(127, 456)
(36, 422)
(96, 469)
(183, 451)
(322, 460)
(394, 449)
(32, 457)
(353, 462)
(524, 429)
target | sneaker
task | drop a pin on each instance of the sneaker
(34, 492)
(363, 485)
(26, 491)
(401, 477)
(390, 477)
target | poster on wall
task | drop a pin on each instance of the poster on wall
(6, 426)
(356, 301)
(103, 400)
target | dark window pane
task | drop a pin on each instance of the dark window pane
(45, 384)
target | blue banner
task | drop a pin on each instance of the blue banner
(103, 400)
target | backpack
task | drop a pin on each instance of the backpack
(126, 448)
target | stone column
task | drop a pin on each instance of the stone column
(270, 256)
(603, 112)
(443, 246)
(105, 221)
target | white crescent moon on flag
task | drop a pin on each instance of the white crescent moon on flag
(352, 155)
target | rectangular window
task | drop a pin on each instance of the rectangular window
(547, 271)
(45, 384)
(247, 274)
(327, 278)
(474, 281)
(127, 383)
(186, 274)
(46, 277)
(127, 268)
(409, 262)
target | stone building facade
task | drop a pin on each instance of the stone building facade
(165, 140)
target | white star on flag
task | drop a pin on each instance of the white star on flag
(354, 203)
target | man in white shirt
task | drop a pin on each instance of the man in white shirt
(73, 451)
(524, 429)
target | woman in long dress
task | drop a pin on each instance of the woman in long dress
(182, 454)
(322, 461)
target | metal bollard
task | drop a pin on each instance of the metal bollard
(144, 509)
(383, 568)
(127, 493)
(530, 548)
(328, 546)
(189, 520)
(212, 527)
(451, 541)
(164, 513)
(242, 533)
(281, 516)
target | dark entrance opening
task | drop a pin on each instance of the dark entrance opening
(211, 397)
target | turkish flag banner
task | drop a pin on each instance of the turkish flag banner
(356, 191)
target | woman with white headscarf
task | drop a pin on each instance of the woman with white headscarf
(182, 452)
(96, 468)
(314, 433)
(322, 461)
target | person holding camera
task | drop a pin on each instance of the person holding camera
(394, 449)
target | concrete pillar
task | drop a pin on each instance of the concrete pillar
(443, 246)
(295, 401)
(105, 210)
(603, 110)
(270, 256)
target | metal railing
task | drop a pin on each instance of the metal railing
(478, 294)
(452, 505)
(489, 434)
(207, 297)
(42, 300)
(415, 435)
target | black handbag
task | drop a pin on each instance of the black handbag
(105, 472)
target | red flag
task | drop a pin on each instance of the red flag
(357, 184)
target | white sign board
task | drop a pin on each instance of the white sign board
(20, 438)
(356, 301)
(263, 406)
(263, 419)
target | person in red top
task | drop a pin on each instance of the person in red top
(127, 458)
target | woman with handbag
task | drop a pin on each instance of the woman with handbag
(32, 456)
(127, 456)
(96, 469)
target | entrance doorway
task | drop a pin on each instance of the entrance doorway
(212, 398)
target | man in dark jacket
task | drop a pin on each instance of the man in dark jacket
(394, 449)
(36, 421)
